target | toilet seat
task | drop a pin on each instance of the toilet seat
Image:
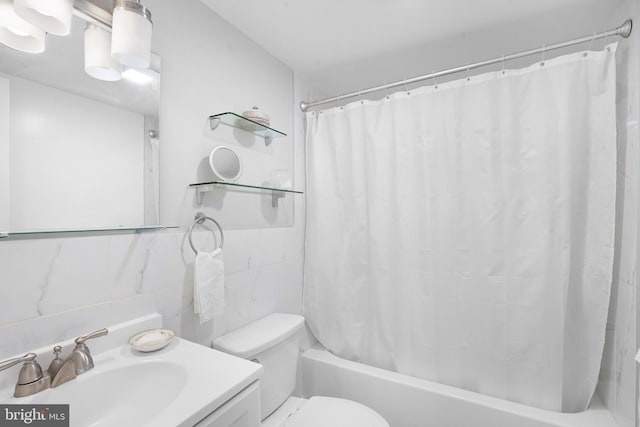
(322, 411)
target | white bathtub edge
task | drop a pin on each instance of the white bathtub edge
(596, 416)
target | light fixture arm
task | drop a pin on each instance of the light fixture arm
(92, 13)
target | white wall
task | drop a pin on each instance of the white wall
(216, 69)
(210, 67)
(57, 288)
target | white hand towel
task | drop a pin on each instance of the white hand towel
(208, 289)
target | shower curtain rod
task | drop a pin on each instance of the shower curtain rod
(623, 30)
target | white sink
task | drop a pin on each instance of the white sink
(176, 386)
(119, 396)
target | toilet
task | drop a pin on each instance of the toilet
(273, 342)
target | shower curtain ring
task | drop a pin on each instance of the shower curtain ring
(435, 81)
(503, 69)
(544, 50)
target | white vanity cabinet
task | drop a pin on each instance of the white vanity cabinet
(243, 410)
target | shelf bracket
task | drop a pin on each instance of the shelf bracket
(214, 123)
(276, 196)
(3, 235)
(200, 190)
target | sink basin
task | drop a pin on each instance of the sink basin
(176, 386)
(124, 395)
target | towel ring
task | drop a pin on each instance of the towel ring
(201, 218)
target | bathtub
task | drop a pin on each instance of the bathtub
(412, 402)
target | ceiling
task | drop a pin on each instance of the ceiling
(309, 35)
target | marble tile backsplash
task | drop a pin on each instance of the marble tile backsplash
(57, 288)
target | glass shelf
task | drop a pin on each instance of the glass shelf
(276, 193)
(239, 122)
(17, 234)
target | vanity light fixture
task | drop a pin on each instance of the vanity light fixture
(98, 62)
(131, 34)
(24, 23)
(17, 33)
(52, 16)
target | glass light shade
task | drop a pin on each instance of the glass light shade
(17, 33)
(52, 16)
(131, 34)
(98, 62)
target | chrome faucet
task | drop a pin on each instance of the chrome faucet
(32, 380)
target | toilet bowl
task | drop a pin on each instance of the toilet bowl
(273, 342)
(320, 411)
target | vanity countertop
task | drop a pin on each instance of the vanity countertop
(176, 386)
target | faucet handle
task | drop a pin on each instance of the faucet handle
(56, 363)
(30, 379)
(29, 357)
(81, 356)
(99, 333)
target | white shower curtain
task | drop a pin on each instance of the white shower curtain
(463, 233)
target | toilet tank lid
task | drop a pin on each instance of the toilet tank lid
(258, 336)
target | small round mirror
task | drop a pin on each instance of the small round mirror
(225, 163)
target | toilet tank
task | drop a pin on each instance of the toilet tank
(273, 342)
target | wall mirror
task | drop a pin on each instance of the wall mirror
(75, 152)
